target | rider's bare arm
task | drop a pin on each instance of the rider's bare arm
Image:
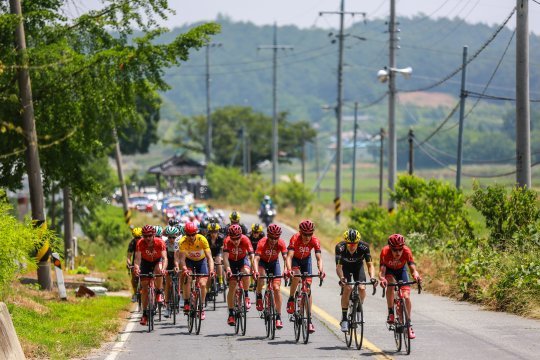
(210, 260)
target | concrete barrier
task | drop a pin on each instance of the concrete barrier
(10, 348)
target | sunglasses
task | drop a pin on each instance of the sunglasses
(396, 249)
(235, 239)
(148, 236)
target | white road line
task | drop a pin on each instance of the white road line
(117, 348)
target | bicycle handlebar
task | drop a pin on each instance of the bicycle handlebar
(304, 276)
(401, 284)
(150, 275)
(374, 284)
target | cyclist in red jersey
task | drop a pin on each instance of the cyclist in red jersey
(393, 259)
(299, 260)
(238, 257)
(266, 261)
(150, 256)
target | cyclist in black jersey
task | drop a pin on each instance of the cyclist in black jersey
(255, 235)
(215, 240)
(350, 256)
(235, 219)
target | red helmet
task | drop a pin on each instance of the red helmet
(396, 240)
(235, 231)
(274, 230)
(307, 227)
(148, 230)
(191, 228)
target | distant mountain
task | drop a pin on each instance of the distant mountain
(242, 74)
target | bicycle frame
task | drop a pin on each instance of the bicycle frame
(151, 297)
(195, 302)
(302, 307)
(239, 304)
(402, 321)
(174, 295)
(269, 311)
(355, 313)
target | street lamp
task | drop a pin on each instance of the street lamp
(384, 75)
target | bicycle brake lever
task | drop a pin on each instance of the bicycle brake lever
(419, 288)
(374, 289)
(320, 283)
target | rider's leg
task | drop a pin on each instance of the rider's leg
(230, 294)
(277, 295)
(219, 268)
(144, 293)
(168, 285)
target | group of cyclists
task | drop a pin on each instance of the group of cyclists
(219, 250)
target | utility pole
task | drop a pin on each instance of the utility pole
(209, 125)
(392, 143)
(462, 97)
(33, 167)
(275, 47)
(317, 163)
(523, 121)
(123, 188)
(411, 151)
(381, 167)
(68, 228)
(339, 106)
(354, 153)
(303, 162)
(244, 150)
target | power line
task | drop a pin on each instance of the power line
(453, 73)
(448, 117)
(493, 97)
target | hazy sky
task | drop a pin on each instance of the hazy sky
(305, 13)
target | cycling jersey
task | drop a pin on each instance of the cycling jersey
(152, 252)
(239, 252)
(194, 250)
(269, 253)
(132, 247)
(303, 250)
(387, 258)
(216, 246)
(255, 240)
(344, 256)
(172, 246)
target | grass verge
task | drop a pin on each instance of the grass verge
(54, 329)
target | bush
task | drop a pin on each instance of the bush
(373, 223)
(106, 225)
(231, 185)
(510, 218)
(18, 241)
(294, 193)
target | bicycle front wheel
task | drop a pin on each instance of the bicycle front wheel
(272, 315)
(358, 325)
(350, 318)
(266, 313)
(398, 328)
(243, 314)
(297, 318)
(198, 311)
(150, 310)
(306, 318)
(406, 326)
(191, 312)
(238, 301)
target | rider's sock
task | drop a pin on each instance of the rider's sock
(246, 292)
(220, 279)
(259, 295)
(390, 310)
(230, 312)
(185, 302)
(343, 314)
(278, 316)
(291, 298)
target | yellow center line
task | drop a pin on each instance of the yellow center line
(330, 320)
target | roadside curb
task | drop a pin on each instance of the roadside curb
(124, 335)
(10, 348)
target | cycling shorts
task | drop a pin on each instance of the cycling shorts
(197, 267)
(238, 265)
(149, 266)
(354, 271)
(304, 265)
(398, 274)
(270, 267)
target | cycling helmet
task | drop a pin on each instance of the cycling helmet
(256, 227)
(148, 230)
(235, 231)
(213, 226)
(352, 236)
(306, 227)
(234, 217)
(274, 231)
(266, 198)
(173, 222)
(191, 228)
(159, 230)
(171, 231)
(396, 241)
(136, 232)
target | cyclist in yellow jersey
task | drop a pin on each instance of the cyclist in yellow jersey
(193, 256)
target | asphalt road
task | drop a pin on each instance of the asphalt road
(445, 329)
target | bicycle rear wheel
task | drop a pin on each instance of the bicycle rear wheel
(306, 318)
(406, 326)
(198, 311)
(358, 324)
(225, 291)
